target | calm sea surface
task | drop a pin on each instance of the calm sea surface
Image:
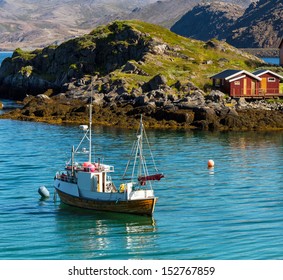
(234, 211)
(3, 55)
(271, 60)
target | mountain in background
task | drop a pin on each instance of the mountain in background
(166, 13)
(208, 20)
(258, 26)
(242, 23)
(38, 23)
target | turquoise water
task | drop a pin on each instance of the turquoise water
(271, 60)
(234, 211)
(3, 55)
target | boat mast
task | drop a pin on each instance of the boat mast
(139, 168)
(140, 147)
(90, 123)
(72, 159)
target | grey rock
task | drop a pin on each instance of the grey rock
(43, 97)
(141, 101)
(216, 96)
(157, 81)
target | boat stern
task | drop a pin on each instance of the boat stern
(134, 193)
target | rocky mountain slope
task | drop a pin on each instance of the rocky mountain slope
(38, 23)
(258, 26)
(128, 68)
(208, 20)
(166, 13)
(31, 24)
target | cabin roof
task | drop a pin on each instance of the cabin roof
(264, 71)
(232, 73)
(226, 73)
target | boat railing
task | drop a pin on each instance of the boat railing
(65, 177)
(94, 167)
(108, 168)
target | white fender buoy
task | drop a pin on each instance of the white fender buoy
(43, 191)
(210, 163)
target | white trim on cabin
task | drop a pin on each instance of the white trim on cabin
(243, 72)
(270, 72)
(237, 78)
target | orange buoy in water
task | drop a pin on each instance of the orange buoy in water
(210, 163)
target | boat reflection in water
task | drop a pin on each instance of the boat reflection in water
(99, 235)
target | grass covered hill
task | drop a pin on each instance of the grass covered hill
(146, 49)
(128, 68)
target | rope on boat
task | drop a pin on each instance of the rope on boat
(137, 152)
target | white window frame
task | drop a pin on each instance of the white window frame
(271, 80)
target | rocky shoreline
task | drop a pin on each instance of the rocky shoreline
(195, 111)
(263, 52)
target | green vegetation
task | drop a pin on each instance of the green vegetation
(100, 32)
(161, 51)
(277, 100)
(26, 71)
(73, 66)
(19, 53)
(185, 59)
(84, 42)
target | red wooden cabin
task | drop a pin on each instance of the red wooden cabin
(241, 83)
(237, 83)
(270, 82)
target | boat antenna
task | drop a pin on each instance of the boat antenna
(90, 123)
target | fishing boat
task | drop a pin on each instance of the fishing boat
(89, 185)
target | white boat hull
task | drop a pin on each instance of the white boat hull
(140, 202)
(139, 206)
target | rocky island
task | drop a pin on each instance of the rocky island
(128, 68)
